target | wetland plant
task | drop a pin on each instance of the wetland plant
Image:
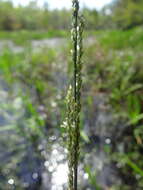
(72, 123)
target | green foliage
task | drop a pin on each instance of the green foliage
(128, 14)
(92, 177)
(113, 66)
(119, 14)
(116, 71)
(23, 37)
(34, 102)
(31, 17)
(122, 39)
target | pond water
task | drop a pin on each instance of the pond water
(37, 44)
(52, 173)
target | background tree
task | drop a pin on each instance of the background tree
(127, 14)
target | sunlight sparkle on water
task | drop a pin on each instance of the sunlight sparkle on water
(60, 175)
(11, 181)
(86, 176)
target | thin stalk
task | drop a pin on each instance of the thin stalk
(72, 122)
(75, 25)
(75, 43)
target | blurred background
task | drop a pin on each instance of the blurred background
(35, 71)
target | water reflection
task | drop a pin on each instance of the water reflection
(11, 181)
(60, 176)
(108, 141)
(57, 166)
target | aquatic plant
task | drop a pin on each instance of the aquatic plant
(72, 123)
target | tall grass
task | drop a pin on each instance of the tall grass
(73, 98)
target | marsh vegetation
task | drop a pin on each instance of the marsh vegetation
(33, 86)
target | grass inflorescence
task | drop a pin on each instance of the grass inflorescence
(73, 98)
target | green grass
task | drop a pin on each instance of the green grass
(113, 66)
(23, 36)
(119, 39)
(115, 39)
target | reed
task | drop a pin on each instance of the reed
(74, 97)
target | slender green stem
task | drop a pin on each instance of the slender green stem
(73, 99)
(75, 55)
(75, 43)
